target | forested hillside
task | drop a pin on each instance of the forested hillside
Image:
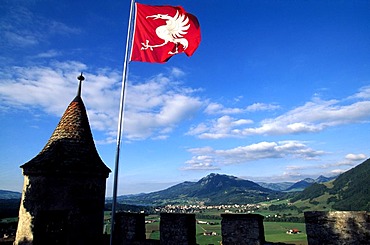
(349, 191)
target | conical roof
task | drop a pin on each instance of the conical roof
(71, 147)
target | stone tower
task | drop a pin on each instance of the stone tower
(64, 185)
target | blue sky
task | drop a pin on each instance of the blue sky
(277, 90)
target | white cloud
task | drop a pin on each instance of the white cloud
(222, 127)
(207, 156)
(45, 87)
(313, 116)
(325, 168)
(355, 157)
(176, 72)
(156, 105)
(201, 163)
(49, 54)
(338, 171)
(295, 167)
(153, 108)
(22, 39)
(216, 108)
(262, 107)
(364, 93)
(349, 160)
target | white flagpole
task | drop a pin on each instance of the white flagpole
(120, 119)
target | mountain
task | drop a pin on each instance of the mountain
(10, 194)
(349, 191)
(323, 179)
(298, 186)
(212, 189)
(9, 203)
(280, 186)
(301, 185)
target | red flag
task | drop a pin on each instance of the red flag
(163, 31)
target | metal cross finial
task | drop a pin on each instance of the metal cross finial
(80, 78)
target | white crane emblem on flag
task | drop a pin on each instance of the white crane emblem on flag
(174, 30)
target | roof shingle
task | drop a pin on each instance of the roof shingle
(71, 147)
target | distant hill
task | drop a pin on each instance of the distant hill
(301, 185)
(280, 186)
(10, 194)
(349, 191)
(323, 179)
(212, 189)
(297, 186)
(9, 203)
(9, 207)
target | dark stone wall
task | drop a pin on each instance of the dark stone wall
(62, 209)
(177, 229)
(129, 228)
(242, 229)
(337, 228)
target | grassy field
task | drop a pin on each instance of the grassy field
(274, 232)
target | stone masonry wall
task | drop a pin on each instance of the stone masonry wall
(338, 227)
(242, 229)
(177, 229)
(61, 209)
(129, 228)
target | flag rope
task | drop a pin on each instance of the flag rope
(120, 120)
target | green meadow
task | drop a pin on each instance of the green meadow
(274, 232)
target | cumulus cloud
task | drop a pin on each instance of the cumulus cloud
(45, 87)
(222, 127)
(327, 168)
(363, 93)
(350, 160)
(337, 171)
(355, 157)
(209, 157)
(201, 162)
(177, 72)
(313, 116)
(154, 107)
(262, 107)
(216, 108)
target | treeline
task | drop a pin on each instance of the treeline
(130, 208)
(284, 218)
(9, 208)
